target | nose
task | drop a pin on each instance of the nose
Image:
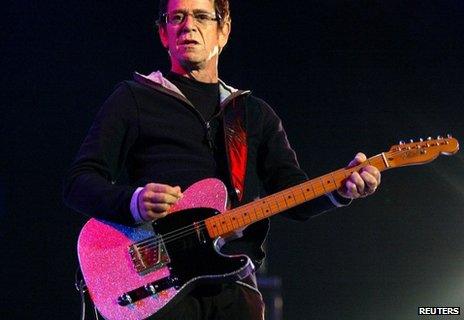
(189, 22)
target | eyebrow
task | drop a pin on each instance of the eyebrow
(193, 11)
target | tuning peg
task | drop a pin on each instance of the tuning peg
(429, 138)
(449, 136)
(421, 140)
(440, 138)
(411, 141)
(402, 142)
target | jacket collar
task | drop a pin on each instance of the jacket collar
(157, 78)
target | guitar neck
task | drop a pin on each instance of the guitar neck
(266, 207)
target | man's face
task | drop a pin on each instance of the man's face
(193, 45)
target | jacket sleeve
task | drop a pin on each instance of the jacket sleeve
(279, 168)
(91, 185)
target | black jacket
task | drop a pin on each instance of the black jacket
(150, 133)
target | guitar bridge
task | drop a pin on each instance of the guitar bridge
(149, 255)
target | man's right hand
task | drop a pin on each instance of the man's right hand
(155, 200)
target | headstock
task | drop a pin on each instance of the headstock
(422, 151)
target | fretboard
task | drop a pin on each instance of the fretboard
(266, 207)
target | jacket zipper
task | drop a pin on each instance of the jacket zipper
(207, 124)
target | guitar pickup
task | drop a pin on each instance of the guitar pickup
(148, 290)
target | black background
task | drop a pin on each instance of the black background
(344, 76)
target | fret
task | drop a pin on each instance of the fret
(234, 222)
(309, 189)
(217, 224)
(318, 187)
(253, 213)
(282, 202)
(328, 183)
(274, 208)
(267, 211)
(298, 195)
(334, 179)
(339, 176)
(240, 218)
(226, 225)
(344, 172)
(260, 213)
(246, 217)
(302, 189)
(216, 230)
(222, 228)
(290, 200)
(302, 194)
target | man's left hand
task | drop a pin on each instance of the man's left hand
(360, 184)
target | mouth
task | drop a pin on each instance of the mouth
(187, 42)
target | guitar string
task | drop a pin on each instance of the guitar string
(148, 240)
(162, 239)
(187, 230)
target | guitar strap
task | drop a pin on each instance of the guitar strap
(235, 116)
(236, 142)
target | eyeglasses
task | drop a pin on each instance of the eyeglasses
(200, 17)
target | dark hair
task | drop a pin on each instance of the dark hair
(221, 7)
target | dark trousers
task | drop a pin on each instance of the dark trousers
(231, 301)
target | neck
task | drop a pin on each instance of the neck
(206, 75)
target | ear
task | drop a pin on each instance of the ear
(163, 36)
(224, 33)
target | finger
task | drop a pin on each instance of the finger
(358, 159)
(164, 188)
(374, 172)
(156, 207)
(355, 178)
(155, 186)
(370, 183)
(160, 198)
(151, 215)
(152, 212)
(351, 190)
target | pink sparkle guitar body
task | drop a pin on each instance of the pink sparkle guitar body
(137, 272)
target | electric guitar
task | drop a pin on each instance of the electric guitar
(137, 272)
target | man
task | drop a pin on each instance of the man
(169, 132)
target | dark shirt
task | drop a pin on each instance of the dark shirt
(203, 96)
